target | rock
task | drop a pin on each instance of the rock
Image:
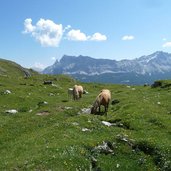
(12, 111)
(146, 84)
(48, 82)
(161, 84)
(51, 94)
(118, 165)
(42, 103)
(67, 108)
(156, 84)
(85, 92)
(75, 123)
(106, 147)
(85, 111)
(55, 85)
(124, 138)
(85, 129)
(115, 101)
(7, 92)
(107, 123)
(43, 113)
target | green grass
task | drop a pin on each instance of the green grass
(11, 69)
(54, 142)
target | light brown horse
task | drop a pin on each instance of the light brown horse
(102, 99)
(77, 92)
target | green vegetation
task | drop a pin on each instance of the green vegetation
(48, 131)
(12, 69)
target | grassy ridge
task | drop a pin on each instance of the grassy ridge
(12, 69)
(49, 136)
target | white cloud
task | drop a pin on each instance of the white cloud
(67, 28)
(46, 32)
(39, 65)
(98, 37)
(28, 26)
(76, 35)
(53, 58)
(128, 37)
(167, 44)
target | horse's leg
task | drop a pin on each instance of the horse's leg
(74, 96)
(107, 107)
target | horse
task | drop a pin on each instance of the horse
(102, 99)
(77, 92)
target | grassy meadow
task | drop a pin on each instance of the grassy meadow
(50, 131)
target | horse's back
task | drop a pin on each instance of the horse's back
(80, 88)
(105, 98)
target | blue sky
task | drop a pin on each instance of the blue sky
(37, 32)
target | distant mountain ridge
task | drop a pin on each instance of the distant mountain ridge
(145, 69)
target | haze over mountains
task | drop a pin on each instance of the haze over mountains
(145, 69)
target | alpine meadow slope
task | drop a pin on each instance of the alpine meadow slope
(139, 71)
(50, 131)
(12, 69)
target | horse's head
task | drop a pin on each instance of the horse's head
(94, 107)
(92, 110)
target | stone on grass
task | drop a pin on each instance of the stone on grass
(115, 101)
(43, 113)
(85, 129)
(12, 111)
(7, 92)
(75, 123)
(85, 111)
(107, 123)
(106, 147)
(67, 107)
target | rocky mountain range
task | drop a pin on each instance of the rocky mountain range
(145, 69)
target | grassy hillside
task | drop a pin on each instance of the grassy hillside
(50, 131)
(12, 69)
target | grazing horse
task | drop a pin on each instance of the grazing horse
(102, 99)
(77, 92)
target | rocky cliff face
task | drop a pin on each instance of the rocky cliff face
(143, 69)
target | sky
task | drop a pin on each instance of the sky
(35, 33)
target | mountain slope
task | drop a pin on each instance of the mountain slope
(144, 69)
(52, 132)
(12, 69)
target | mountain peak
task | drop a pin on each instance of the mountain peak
(154, 56)
(85, 67)
(159, 53)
